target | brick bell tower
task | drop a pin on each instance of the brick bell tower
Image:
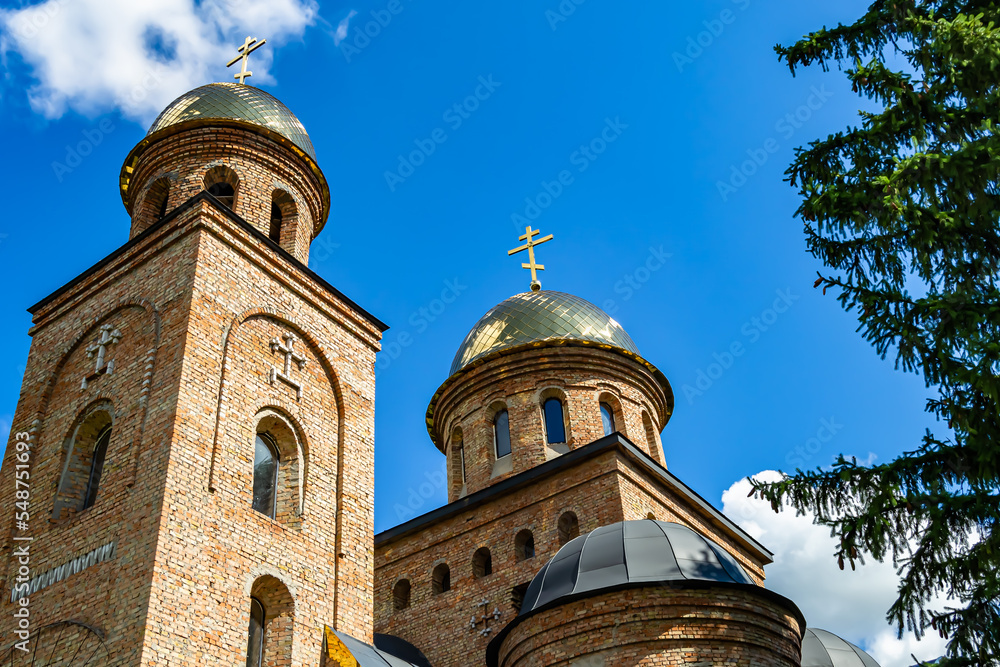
(195, 427)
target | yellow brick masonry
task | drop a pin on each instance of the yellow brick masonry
(197, 300)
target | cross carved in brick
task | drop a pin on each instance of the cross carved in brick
(109, 336)
(485, 619)
(288, 349)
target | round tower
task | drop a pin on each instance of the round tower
(648, 592)
(539, 375)
(241, 145)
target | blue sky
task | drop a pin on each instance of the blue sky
(652, 109)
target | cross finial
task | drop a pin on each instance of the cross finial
(530, 243)
(249, 46)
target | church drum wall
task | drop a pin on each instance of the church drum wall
(659, 625)
(261, 165)
(580, 375)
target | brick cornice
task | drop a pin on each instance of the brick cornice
(578, 456)
(174, 226)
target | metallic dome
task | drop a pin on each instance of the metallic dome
(631, 552)
(536, 317)
(825, 649)
(234, 101)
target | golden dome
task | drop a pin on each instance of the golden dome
(537, 317)
(235, 102)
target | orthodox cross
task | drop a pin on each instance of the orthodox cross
(530, 243)
(485, 620)
(249, 46)
(109, 336)
(290, 355)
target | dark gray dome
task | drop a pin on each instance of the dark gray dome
(631, 552)
(825, 649)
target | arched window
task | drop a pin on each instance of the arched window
(608, 419)
(401, 595)
(647, 424)
(501, 433)
(555, 427)
(524, 545)
(482, 563)
(569, 527)
(272, 619)
(274, 233)
(650, 515)
(284, 216)
(441, 579)
(517, 597)
(154, 207)
(265, 474)
(255, 634)
(221, 182)
(97, 467)
(83, 465)
(457, 476)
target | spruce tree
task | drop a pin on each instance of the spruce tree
(903, 210)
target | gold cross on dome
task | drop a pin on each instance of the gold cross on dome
(249, 46)
(529, 245)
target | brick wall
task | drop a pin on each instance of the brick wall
(198, 300)
(262, 167)
(601, 490)
(520, 382)
(659, 625)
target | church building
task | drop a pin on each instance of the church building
(189, 476)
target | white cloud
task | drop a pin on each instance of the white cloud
(851, 604)
(93, 56)
(341, 32)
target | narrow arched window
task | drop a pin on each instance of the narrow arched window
(524, 545)
(401, 595)
(255, 634)
(517, 597)
(274, 233)
(482, 563)
(608, 419)
(569, 527)
(555, 427)
(224, 192)
(501, 433)
(96, 467)
(265, 474)
(441, 579)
